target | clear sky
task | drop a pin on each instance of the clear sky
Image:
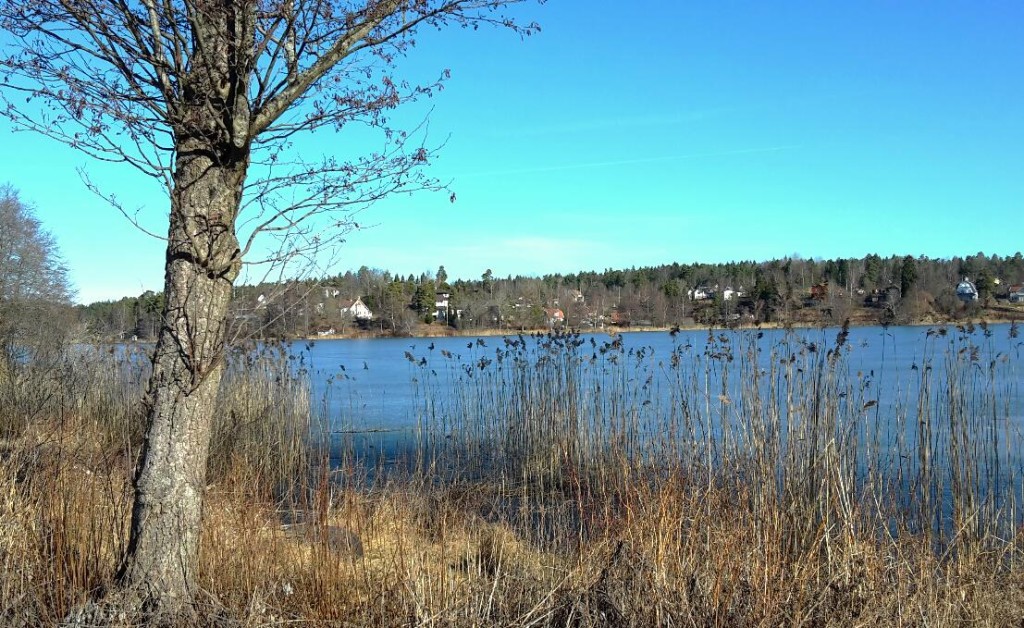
(648, 132)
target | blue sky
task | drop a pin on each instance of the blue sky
(630, 134)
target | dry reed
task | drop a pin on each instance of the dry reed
(562, 481)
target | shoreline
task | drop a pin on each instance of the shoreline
(432, 331)
(425, 332)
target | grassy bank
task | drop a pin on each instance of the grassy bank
(560, 482)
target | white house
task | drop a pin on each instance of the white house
(442, 301)
(702, 293)
(728, 293)
(356, 310)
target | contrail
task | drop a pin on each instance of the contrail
(626, 162)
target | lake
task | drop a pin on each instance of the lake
(381, 395)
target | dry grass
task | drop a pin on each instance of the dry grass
(678, 555)
(555, 528)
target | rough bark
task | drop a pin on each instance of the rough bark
(202, 263)
(212, 152)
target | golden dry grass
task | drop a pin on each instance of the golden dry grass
(549, 539)
(676, 554)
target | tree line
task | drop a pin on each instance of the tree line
(870, 289)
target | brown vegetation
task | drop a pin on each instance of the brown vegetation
(551, 508)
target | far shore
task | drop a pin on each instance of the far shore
(438, 331)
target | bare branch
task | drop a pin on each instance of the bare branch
(112, 200)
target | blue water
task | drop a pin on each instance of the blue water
(378, 384)
(384, 400)
(377, 394)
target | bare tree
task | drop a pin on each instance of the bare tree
(30, 266)
(35, 300)
(206, 96)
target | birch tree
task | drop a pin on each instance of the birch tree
(206, 96)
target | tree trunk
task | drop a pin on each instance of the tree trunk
(203, 260)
